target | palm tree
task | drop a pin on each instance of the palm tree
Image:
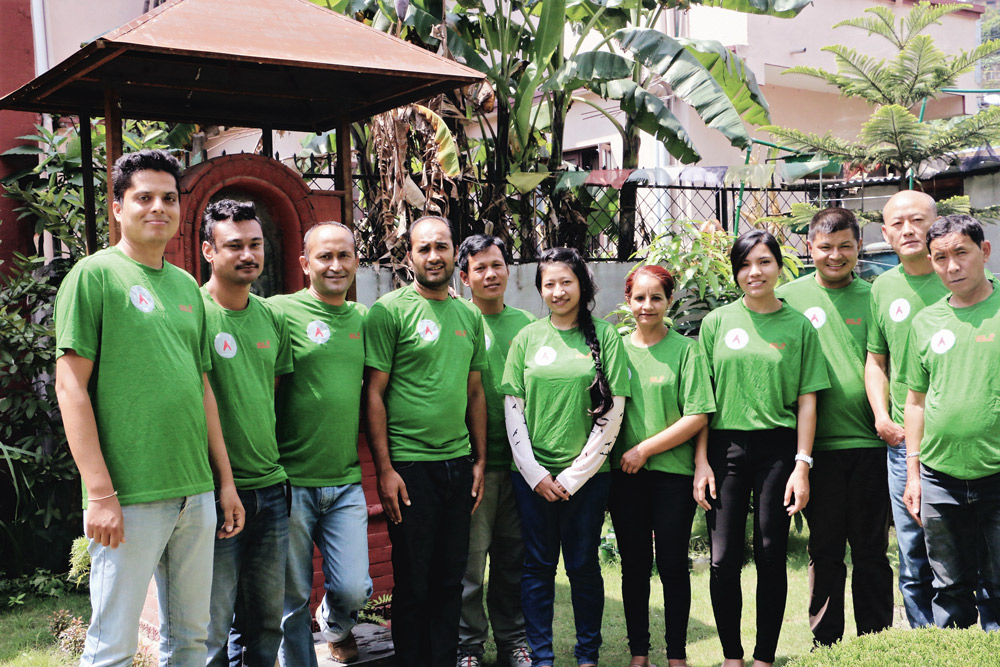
(896, 135)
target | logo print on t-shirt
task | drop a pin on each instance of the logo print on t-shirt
(816, 315)
(942, 341)
(428, 330)
(141, 298)
(899, 310)
(318, 331)
(737, 339)
(545, 355)
(225, 345)
(489, 343)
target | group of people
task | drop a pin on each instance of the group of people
(216, 437)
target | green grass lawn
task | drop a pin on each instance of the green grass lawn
(25, 640)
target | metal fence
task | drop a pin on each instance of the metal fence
(603, 222)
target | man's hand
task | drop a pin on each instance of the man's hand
(890, 431)
(105, 523)
(911, 498)
(392, 489)
(232, 512)
(798, 485)
(704, 480)
(551, 490)
(633, 460)
(478, 483)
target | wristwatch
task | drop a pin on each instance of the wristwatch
(806, 458)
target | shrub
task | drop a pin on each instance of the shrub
(73, 636)
(895, 647)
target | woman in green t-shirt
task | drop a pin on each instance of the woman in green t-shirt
(653, 463)
(766, 366)
(565, 384)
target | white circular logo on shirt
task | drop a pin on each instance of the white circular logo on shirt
(225, 345)
(737, 339)
(489, 342)
(816, 315)
(545, 355)
(899, 310)
(428, 330)
(141, 298)
(318, 331)
(942, 341)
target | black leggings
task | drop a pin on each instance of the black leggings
(647, 504)
(745, 462)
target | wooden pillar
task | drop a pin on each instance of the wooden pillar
(267, 142)
(113, 149)
(87, 163)
(345, 183)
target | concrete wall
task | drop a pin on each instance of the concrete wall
(521, 293)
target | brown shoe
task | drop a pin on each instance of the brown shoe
(346, 650)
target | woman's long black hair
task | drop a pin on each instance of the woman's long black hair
(746, 242)
(601, 398)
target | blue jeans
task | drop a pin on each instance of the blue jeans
(960, 516)
(575, 525)
(430, 548)
(171, 540)
(336, 519)
(915, 576)
(248, 583)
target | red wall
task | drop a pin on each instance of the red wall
(17, 56)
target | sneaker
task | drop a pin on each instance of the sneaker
(346, 650)
(518, 657)
(469, 660)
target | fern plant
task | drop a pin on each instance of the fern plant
(894, 135)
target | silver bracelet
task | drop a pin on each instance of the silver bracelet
(913, 455)
(110, 495)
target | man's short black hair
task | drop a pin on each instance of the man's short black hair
(834, 219)
(409, 233)
(144, 160)
(960, 223)
(476, 244)
(225, 209)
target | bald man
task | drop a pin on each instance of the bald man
(318, 412)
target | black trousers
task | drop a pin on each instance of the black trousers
(746, 463)
(646, 506)
(430, 547)
(849, 504)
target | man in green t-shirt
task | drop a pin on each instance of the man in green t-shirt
(897, 295)
(319, 409)
(849, 491)
(953, 425)
(495, 528)
(142, 424)
(250, 348)
(425, 353)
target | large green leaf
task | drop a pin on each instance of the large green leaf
(736, 79)
(785, 9)
(548, 36)
(589, 67)
(447, 152)
(526, 181)
(650, 114)
(690, 80)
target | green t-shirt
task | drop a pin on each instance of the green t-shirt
(318, 405)
(428, 348)
(500, 331)
(145, 331)
(249, 348)
(952, 355)
(896, 298)
(667, 381)
(760, 363)
(844, 418)
(552, 370)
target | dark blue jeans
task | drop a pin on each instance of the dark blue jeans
(575, 525)
(430, 547)
(248, 583)
(962, 532)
